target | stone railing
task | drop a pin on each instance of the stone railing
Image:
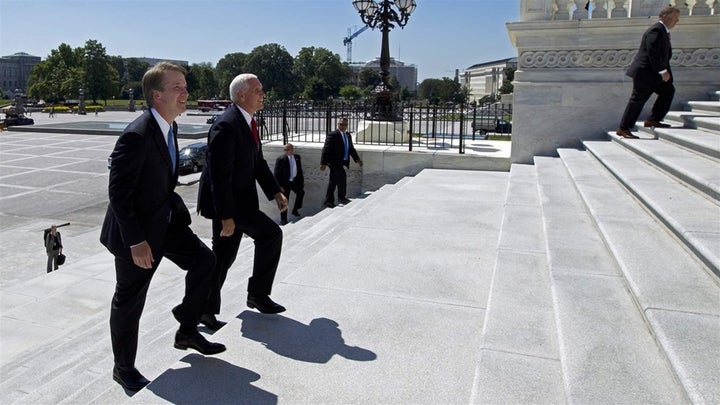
(559, 10)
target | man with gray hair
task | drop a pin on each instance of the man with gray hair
(228, 196)
(650, 71)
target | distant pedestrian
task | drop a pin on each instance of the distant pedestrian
(53, 248)
(289, 175)
(336, 153)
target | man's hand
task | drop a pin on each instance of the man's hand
(666, 76)
(322, 168)
(142, 255)
(228, 227)
(360, 162)
(282, 202)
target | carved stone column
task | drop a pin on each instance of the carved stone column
(701, 8)
(580, 13)
(562, 13)
(600, 11)
(535, 10)
(647, 8)
(619, 10)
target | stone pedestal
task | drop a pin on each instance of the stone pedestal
(383, 132)
(570, 83)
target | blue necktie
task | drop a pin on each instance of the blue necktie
(346, 157)
(171, 149)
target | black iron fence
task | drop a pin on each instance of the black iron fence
(426, 126)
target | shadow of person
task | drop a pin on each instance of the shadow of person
(313, 343)
(210, 380)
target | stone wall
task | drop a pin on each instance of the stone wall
(381, 165)
(570, 83)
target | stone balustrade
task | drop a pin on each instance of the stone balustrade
(560, 10)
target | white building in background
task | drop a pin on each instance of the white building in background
(485, 79)
(15, 72)
(405, 73)
(155, 61)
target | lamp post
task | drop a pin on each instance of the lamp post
(382, 14)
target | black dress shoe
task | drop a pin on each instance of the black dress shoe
(211, 322)
(130, 380)
(296, 213)
(656, 124)
(196, 341)
(625, 133)
(330, 205)
(264, 304)
(344, 201)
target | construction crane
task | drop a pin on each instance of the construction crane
(347, 41)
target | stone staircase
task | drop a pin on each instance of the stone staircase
(616, 249)
(588, 278)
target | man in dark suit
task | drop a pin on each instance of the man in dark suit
(228, 195)
(147, 220)
(336, 153)
(289, 175)
(650, 70)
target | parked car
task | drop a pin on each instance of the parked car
(491, 124)
(192, 158)
(212, 118)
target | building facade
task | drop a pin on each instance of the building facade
(15, 72)
(155, 61)
(406, 74)
(485, 79)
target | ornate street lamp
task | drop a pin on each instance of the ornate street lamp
(382, 14)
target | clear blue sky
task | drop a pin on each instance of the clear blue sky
(441, 36)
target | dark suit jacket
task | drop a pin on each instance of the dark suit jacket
(653, 55)
(143, 201)
(233, 164)
(333, 151)
(282, 171)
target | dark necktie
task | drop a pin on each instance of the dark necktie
(171, 148)
(345, 142)
(256, 136)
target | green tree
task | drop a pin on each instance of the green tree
(273, 66)
(321, 72)
(201, 81)
(439, 90)
(101, 78)
(227, 68)
(134, 71)
(507, 86)
(351, 92)
(59, 76)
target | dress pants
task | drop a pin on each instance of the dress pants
(267, 237)
(299, 195)
(52, 260)
(338, 178)
(184, 249)
(643, 88)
